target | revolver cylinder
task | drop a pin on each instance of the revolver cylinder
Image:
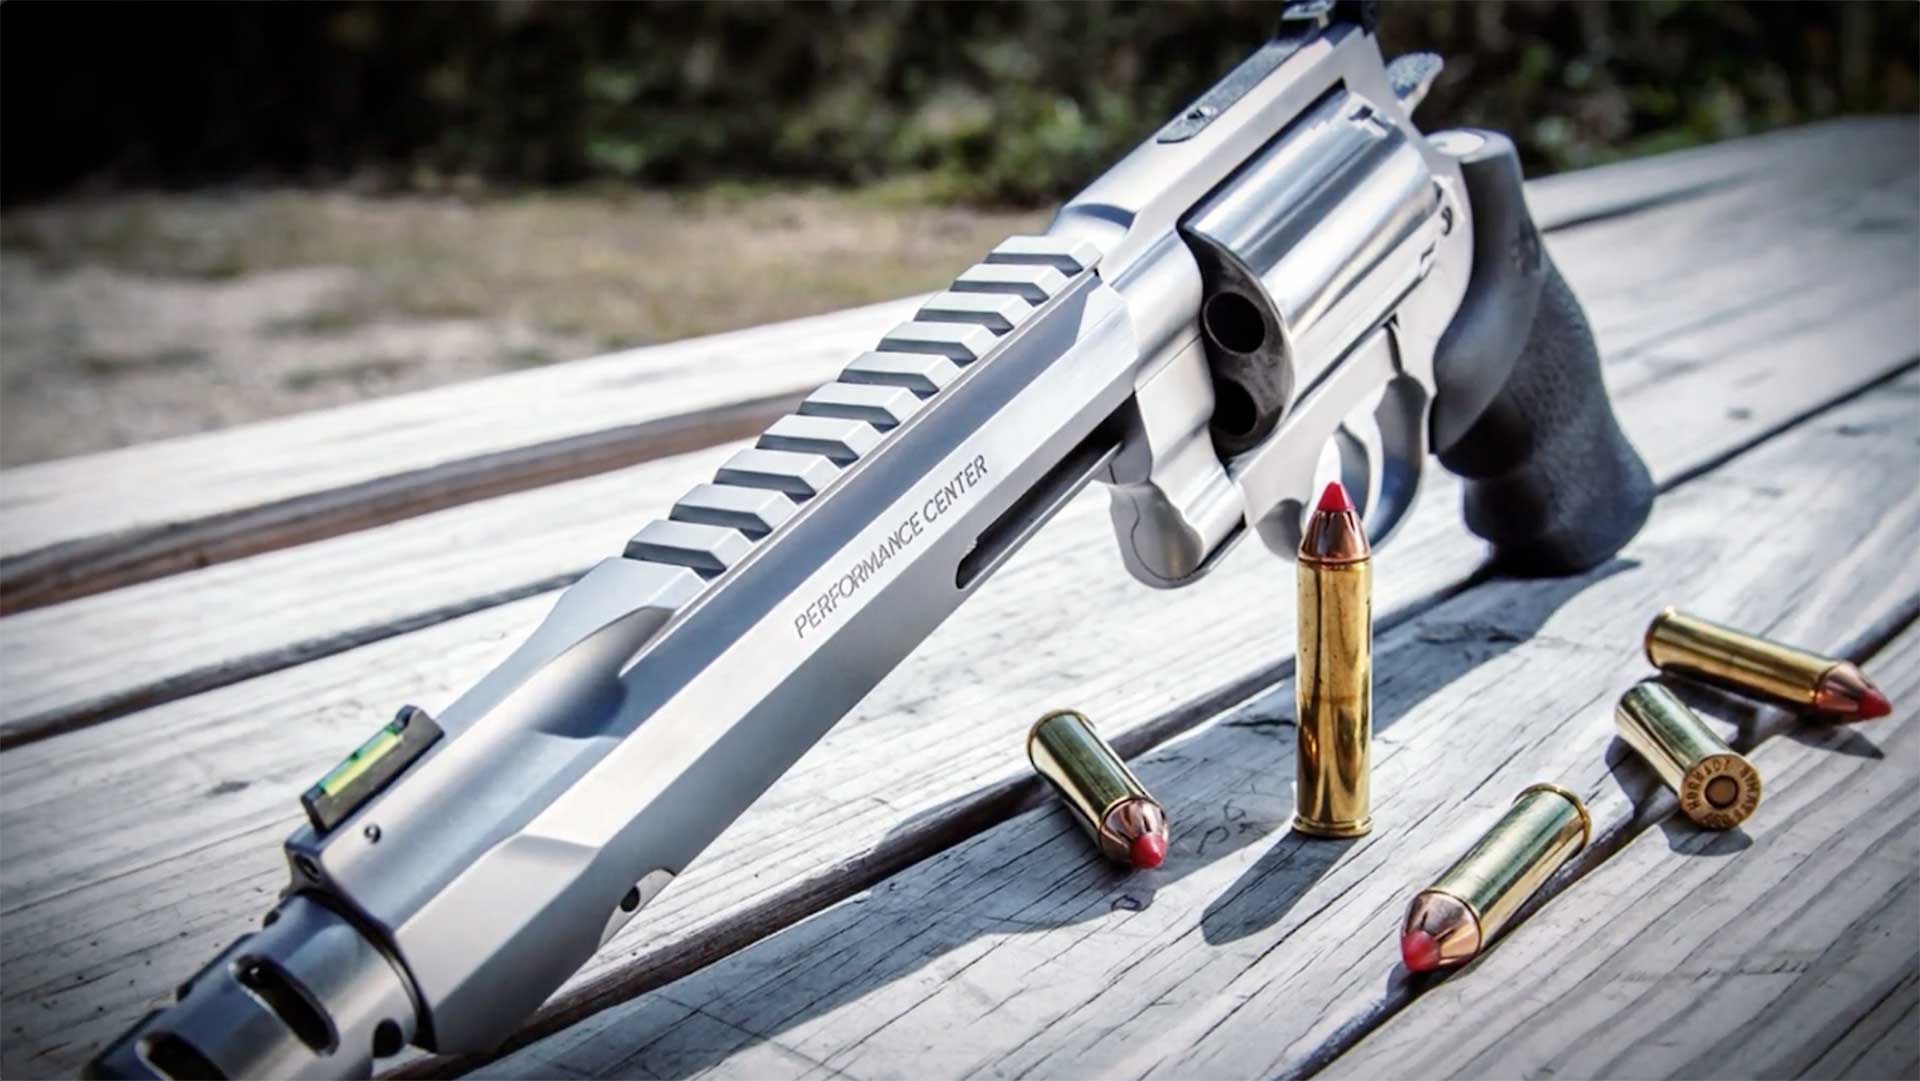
(1311, 242)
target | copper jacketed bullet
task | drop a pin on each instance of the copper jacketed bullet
(1105, 797)
(1748, 664)
(1333, 691)
(1717, 787)
(1451, 921)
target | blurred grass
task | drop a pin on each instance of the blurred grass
(616, 266)
(142, 315)
(990, 102)
(217, 213)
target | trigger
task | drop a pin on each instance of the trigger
(1360, 464)
(1399, 456)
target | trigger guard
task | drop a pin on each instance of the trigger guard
(1402, 418)
(1358, 448)
(1276, 481)
(1383, 475)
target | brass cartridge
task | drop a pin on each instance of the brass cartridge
(1105, 797)
(1450, 921)
(1748, 664)
(1717, 787)
(1333, 685)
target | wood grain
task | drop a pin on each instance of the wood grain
(1254, 952)
(102, 656)
(108, 902)
(1664, 307)
(1788, 948)
(77, 526)
(144, 889)
(84, 525)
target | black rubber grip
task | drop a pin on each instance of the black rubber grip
(1551, 480)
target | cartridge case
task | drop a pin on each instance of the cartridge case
(1451, 921)
(1546, 826)
(1688, 645)
(1683, 644)
(1717, 787)
(1333, 688)
(1104, 796)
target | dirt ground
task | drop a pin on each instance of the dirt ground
(137, 317)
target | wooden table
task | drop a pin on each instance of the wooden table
(197, 628)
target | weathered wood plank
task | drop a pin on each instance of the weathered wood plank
(1254, 952)
(1788, 948)
(1637, 183)
(1683, 299)
(101, 890)
(98, 657)
(1880, 1044)
(149, 888)
(83, 525)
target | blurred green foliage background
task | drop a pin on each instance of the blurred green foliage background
(1006, 103)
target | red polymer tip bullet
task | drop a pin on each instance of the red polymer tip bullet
(1451, 921)
(1419, 951)
(1128, 824)
(1439, 932)
(1149, 850)
(1845, 692)
(1335, 499)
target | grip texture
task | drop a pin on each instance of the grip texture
(1520, 409)
(1551, 480)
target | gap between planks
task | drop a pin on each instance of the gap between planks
(79, 526)
(424, 452)
(105, 656)
(82, 568)
(1018, 953)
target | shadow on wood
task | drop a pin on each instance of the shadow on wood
(1448, 649)
(1686, 839)
(847, 962)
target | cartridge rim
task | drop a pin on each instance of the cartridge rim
(1586, 820)
(1653, 627)
(1351, 828)
(1694, 801)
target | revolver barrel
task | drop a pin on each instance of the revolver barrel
(458, 869)
(307, 996)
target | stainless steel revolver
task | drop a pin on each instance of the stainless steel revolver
(1286, 266)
